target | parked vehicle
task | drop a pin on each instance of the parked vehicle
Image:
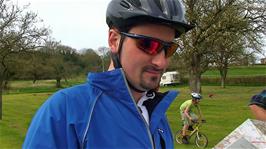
(170, 78)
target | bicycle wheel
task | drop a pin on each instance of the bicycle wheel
(178, 137)
(201, 140)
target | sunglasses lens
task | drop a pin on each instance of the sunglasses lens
(171, 50)
(149, 46)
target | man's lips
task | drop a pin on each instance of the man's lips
(154, 71)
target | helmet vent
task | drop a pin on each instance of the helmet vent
(135, 3)
(157, 2)
(125, 4)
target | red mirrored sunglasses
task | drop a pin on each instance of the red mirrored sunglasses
(152, 45)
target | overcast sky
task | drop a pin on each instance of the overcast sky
(76, 23)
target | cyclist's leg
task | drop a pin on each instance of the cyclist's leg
(185, 127)
(185, 121)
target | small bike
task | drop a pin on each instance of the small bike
(201, 139)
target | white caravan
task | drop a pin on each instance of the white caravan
(170, 78)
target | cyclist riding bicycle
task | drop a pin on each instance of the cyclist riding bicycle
(187, 114)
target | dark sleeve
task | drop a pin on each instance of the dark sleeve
(259, 100)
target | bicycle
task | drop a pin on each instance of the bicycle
(201, 139)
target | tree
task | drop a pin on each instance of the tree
(194, 47)
(229, 49)
(90, 61)
(61, 61)
(240, 33)
(103, 52)
(18, 33)
(36, 66)
(215, 18)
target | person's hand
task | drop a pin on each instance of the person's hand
(194, 120)
(190, 119)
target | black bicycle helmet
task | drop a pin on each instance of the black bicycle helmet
(125, 13)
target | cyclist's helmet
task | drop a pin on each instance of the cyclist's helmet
(125, 13)
(196, 95)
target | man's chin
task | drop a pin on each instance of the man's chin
(150, 86)
(150, 82)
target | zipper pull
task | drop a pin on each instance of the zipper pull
(159, 129)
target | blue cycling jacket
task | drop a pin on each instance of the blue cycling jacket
(100, 114)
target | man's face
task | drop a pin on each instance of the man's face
(195, 101)
(142, 70)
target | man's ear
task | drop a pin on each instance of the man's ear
(113, 40)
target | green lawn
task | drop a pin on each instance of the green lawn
(254, 70)
(226, 110)
(40, 86)
(18, 110)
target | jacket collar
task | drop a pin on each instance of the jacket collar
(113, 80)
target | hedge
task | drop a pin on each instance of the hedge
(236, 80)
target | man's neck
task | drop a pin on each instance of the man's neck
(136, 95)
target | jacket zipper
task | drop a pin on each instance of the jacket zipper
(83, 141)
(132, 98)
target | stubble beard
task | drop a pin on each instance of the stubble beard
(149, 83)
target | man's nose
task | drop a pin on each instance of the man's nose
(160, 60)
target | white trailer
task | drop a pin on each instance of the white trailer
(170, 78)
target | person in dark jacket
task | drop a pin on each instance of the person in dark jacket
(257, 105)
(119, 108)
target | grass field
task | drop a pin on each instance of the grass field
(40, 86)
(254, 70)
(226, 110)
(18, 110)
